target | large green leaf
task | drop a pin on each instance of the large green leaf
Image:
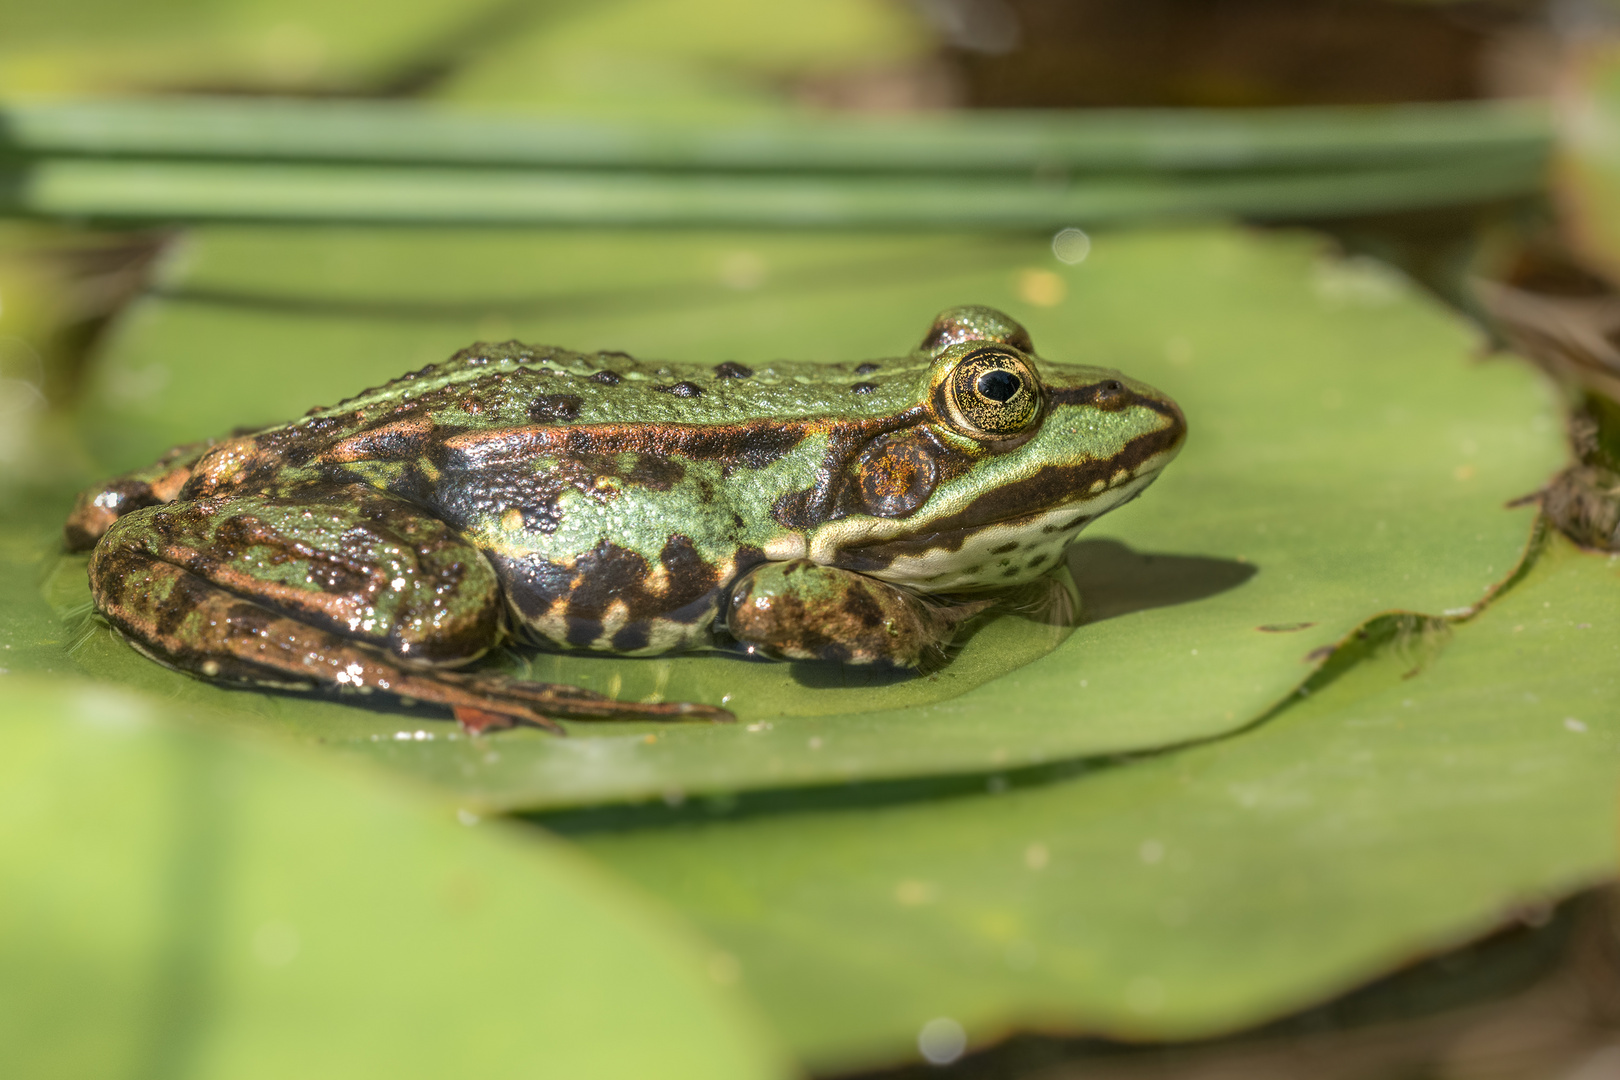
(174, 904)
(677, 58)
(1390, 813)
(647, 56)
(264, 45)
(1349, 455)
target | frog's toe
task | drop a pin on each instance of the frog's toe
(560, 701)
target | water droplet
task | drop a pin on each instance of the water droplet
(941, 1041)
(1071, 245)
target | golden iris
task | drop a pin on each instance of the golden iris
(992, 393)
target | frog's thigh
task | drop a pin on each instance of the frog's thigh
(802, 611)
(356, 563)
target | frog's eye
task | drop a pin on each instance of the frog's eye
(991, 394)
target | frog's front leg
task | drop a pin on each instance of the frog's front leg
(344, 588)
(800, 610)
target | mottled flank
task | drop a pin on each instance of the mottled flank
(594, 501)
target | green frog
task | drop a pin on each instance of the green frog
(854, 512)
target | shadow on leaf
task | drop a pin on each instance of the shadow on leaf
(1114, 580)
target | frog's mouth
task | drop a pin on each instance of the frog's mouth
(960, 552)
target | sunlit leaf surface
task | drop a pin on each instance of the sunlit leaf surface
(1390, 813)
(173, 903)
(1350, 454)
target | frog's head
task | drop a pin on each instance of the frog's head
(1008, 458)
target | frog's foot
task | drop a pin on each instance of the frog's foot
(160, 482)
(360, 593)
(803, 611)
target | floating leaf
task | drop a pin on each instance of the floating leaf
(1347, 457)
(1391, 813)
(176, 903)
(81, 46)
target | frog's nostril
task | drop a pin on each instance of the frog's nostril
(998, 385)
(1110, 395)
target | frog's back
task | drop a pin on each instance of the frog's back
(511, 384)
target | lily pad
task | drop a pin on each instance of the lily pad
(96, 46)
(1349, 455)
(1390, 813)
(175, 903)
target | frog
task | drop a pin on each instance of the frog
(536, 496)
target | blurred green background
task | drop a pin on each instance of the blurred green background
(1323, 782)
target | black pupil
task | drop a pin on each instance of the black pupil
(999, 385)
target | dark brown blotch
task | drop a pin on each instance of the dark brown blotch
(682, 389)
(730, 370)
(864, 387)
(866, 368)
(649, 470)
(631, 637)
(554, 407)
(607, 378)
(862, 607)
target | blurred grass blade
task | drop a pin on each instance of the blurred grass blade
(146, 191)
(984, 142)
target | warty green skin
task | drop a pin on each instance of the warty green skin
(588, 500)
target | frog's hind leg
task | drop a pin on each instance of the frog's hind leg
(352, 590)
(799, 610)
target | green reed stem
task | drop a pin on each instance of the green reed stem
(975, 142)
(135, 191)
